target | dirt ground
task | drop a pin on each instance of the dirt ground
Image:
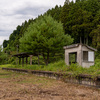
(18, 86)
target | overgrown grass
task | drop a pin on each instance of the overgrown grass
(60, 66)
(6, 65)
(57, 66)
(8, 74)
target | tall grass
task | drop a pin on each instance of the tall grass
(60, 66)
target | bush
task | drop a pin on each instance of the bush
(60, 66)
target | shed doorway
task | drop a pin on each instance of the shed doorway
(73, 57)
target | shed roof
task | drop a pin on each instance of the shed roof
(24, 54)
(76, 45)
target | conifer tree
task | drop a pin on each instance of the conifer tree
(46, 37)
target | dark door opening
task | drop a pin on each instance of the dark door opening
(73, 57)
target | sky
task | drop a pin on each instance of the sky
(15, 12)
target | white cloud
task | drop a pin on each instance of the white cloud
(3, 38)
(14, 12)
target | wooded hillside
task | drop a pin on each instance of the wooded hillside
(80, 19)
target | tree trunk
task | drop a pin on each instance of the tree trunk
(80, 40)
(38, 60)
(84, 40)
(46, 59)
(87, 40)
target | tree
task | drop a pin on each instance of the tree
(67, 2)
(77, 21)
(5, 43)
(46, 37)
(92, 6)
(77, 0)
(3, 56)
(83, 25)
(55, 12)
(64, 16)
(95, 34)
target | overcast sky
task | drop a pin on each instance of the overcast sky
(14, 12)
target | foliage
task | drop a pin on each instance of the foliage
(5, 42)
(57, 66)
(45, 37)
(96, 37)
(77, 21)
(13, 41)
(55, 12)
(80, 19)
(60, 66)
(3, 56)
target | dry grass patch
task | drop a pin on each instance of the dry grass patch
(20, 86)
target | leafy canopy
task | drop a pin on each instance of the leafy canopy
(45, 36)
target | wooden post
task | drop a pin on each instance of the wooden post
(31, 59)
(23, 61)
(19, 60)
(16, 61)
(26, 60)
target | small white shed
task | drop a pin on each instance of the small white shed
(79, 53)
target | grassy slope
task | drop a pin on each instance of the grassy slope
(62, 67)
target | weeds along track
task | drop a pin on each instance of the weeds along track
(82, 79)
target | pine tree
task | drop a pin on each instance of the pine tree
(46, 37)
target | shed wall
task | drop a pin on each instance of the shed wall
(79, 49)
(79, 54)
(87, 64)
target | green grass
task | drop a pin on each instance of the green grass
(6, 65)
(60, 66)
(22, 78)
(57, 66)
(7, 74)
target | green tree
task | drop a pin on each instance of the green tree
(5, 43)
(77, 0)
(55, 12)
(15, 36)
(3, 56)
(65, 16)
(46, 37)
(96, 37)
(77, 20)
(92, 6)
(82, 26)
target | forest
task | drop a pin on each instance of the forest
(75, 22)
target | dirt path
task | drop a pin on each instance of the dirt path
(17, 86)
